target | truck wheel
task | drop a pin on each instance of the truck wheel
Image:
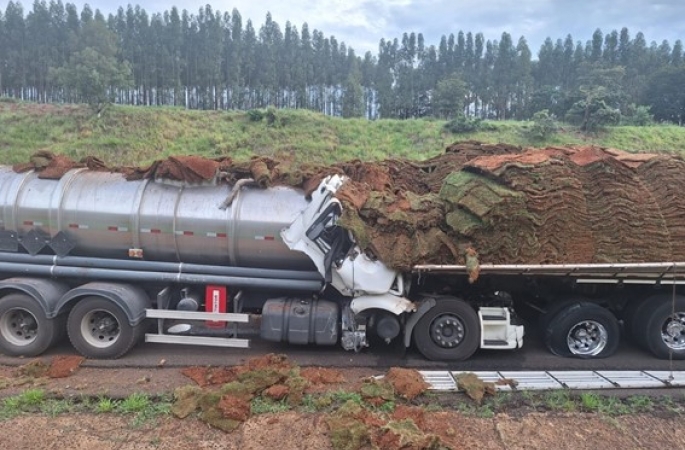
(583, 330)
(99, 329)
(449, 331)
(552, 311)
(663, 328)
(24, 328)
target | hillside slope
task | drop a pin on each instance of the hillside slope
(137, 135)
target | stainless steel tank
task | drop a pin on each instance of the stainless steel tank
(105, 216)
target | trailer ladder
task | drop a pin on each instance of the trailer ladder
(445, 380)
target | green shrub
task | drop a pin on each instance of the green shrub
(462, 124)
(637, 116)
(255, 115)
(544, 125)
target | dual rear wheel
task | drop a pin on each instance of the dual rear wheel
(657, 324)
(24, 328)
(586, 330)
(97, 328)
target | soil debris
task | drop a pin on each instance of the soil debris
(223, 394)
(60, 366)
(192, 169)
(63, 366)
(353, 427)
(34, 369)
(277, 392)
(404, 434)
(186, 401)
(209, 376)
(322, 375)
(407, 383)
(234, 407)
(474, 387)
(377, 391)
(474, 204)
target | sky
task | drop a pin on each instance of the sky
(362, 23)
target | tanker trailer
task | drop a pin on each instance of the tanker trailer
(110, 261)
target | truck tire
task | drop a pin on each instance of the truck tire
(450, 331)
(24, 328)
(99, 329)
(633, 318)
(663, 327)
(583, 330)
(553, 310)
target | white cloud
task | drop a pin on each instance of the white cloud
(362, 23)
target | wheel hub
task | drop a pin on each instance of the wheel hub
(19, 326)
(447, 331)
(587, 338)
(673, 331)
(100, 329)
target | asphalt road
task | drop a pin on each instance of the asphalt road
(533, 356)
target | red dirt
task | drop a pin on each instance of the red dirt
(270, 361)
(210, 376)
(64, 366)
(415, 413)
(408, 383)
(234, 407)
(322, 375)
(277, 392)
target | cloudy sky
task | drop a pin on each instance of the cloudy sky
(362, 23)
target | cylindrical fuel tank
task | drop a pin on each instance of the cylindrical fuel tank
(105, 215)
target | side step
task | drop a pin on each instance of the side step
(496, 330)
(192, 315)
(197, 340)
(207, 341)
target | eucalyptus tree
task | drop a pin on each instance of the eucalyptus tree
(15, 67)
(93, 72)
(665, 96)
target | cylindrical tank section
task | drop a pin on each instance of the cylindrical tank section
(105, 216)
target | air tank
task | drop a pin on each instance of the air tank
(105, 216)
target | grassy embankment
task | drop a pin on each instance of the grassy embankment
(136, 135)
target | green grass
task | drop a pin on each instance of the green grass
(142, 407)
(127, 135)
(105, 405)
(134, 403)
(566, 401)
(262, 405)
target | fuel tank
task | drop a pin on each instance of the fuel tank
(105, 216)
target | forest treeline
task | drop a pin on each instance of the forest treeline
(215, 60)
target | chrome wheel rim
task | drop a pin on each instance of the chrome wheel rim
(447, 331)
(673, 331)
(19, 327)
(587, 338)
(100, 328)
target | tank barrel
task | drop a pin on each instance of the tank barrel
(103, 215)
